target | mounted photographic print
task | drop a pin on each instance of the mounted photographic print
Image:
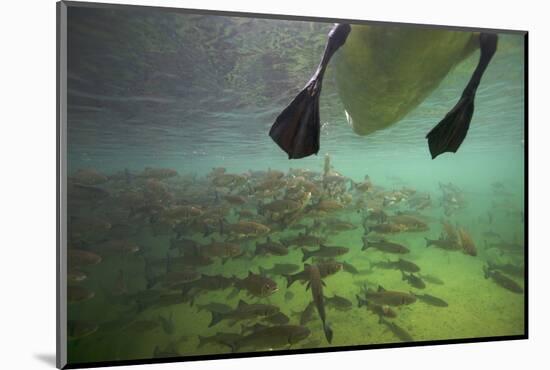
(235, 184)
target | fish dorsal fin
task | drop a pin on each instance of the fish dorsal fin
(242, 303)
(381, 288)
(324, 284)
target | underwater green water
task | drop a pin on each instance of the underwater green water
(193, 93)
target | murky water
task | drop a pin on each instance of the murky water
(177, 194)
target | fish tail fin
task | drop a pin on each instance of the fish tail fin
(289, 280)
(202, 341)
(234, 345)
(360, 301)
(173, 244)
(364, 216)
(316, 225)
(208, 230)
(306, 254)
(243, 329)
(365, 244)
(216, 318)
(151, 281)
(328, 332)
(186, 290)
(140, 306)
(234, 293)
(486, 271)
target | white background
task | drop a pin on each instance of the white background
(27, 207)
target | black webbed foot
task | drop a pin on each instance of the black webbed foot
(297, 129)
(449, 134)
